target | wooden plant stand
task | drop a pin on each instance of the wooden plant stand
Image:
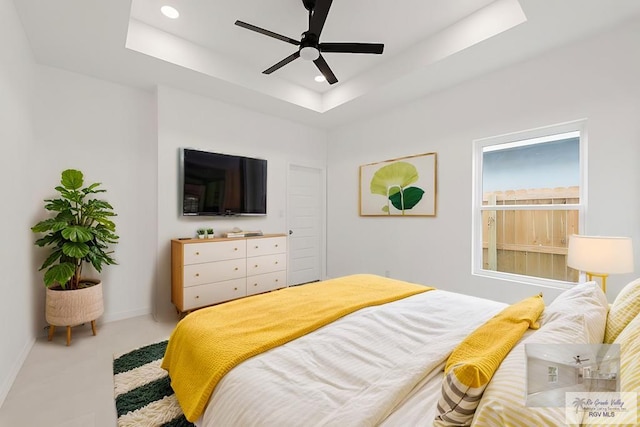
(52, 329)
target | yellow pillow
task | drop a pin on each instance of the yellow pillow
(625, 307)
(472, 364)
(629, 340)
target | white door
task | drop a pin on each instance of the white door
(305, 217)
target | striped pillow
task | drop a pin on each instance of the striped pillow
(503, 401)
(472, 364)
(625, 307)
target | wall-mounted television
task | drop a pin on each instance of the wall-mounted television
(222, 184)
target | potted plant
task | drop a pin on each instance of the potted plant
(210, 233)
(201, 233)
(80, 232)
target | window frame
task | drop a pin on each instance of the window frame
(477, 196)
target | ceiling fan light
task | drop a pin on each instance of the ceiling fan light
(309, 53)
(320, 78)
(170, 12)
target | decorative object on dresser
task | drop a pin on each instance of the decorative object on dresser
(210, 271)
(201, 232)
(236, 232)
(81, 231)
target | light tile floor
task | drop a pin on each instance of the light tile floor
(60, 386)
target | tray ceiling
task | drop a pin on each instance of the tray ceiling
(429, 45)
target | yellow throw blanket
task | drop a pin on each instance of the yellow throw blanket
(473, 362)
(208, 343)
(479, 355)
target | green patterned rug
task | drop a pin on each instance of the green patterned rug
(142, 389)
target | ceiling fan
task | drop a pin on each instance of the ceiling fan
(579, 361)
(309, 46)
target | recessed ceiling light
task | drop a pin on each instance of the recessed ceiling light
(320, 78)
(170, 12)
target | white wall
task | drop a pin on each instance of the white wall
(595, 79)
(186, 120)
(538, 375)
(51, 120)
(16, 138)
(107, 131)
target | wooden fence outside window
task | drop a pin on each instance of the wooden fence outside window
(530, 242)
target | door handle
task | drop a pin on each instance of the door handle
(290, 232)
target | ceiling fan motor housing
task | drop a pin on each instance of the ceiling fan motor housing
(309, 4)
(309, 40)
(309, 46)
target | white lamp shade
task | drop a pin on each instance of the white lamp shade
(600, 254)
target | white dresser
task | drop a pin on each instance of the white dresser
(209, 271)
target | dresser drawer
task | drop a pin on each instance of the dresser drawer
(266, 264)
(198, 274)
(199, 296)
(195, 253)
(266, 282)
(266, 246)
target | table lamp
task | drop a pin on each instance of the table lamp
(600, 256)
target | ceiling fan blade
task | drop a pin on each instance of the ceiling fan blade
(319, 16)
(325, 70)
(375, 48)
(267, 33)
(282, 63)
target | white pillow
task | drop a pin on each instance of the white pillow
(584, 298)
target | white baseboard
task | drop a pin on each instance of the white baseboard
(15, 369)
(112, 317)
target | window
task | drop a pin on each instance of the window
(552, 372)
(528, 200)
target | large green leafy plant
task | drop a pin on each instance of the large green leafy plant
(81, 231)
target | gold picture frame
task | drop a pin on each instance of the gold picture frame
(405, 186)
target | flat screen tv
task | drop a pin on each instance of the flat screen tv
(222, 184)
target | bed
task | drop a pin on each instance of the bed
(384, 364)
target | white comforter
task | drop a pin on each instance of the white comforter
(365, 369)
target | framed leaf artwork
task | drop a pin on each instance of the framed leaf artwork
(400, 187)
